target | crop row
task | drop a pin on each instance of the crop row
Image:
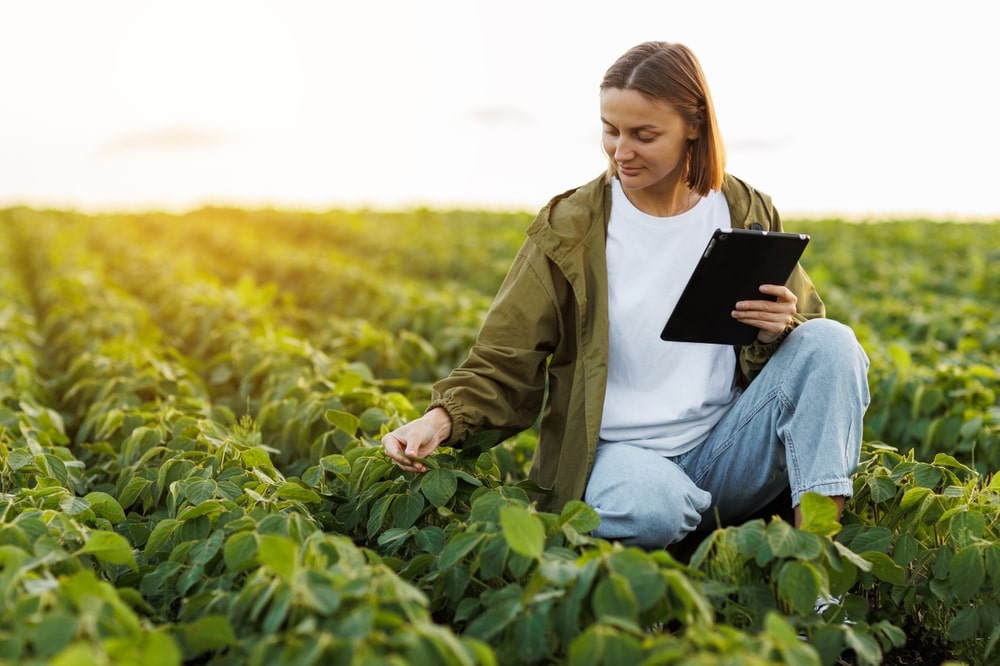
(190, 470)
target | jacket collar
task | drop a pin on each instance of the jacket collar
(576, 216)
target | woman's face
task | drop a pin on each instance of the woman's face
(646, 138)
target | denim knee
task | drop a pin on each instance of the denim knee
(642, 498)
(830, 340)
(653, 524)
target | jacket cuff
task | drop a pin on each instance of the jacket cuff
(756, 355)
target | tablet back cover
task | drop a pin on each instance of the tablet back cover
(733, 266)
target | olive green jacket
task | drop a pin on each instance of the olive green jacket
(548, 329)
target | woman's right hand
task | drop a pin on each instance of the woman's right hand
(417, 439)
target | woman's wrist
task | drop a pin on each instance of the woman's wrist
(440, 421)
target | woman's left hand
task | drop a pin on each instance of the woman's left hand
(771, 317)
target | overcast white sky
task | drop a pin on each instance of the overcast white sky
(853, 107)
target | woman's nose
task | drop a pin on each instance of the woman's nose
(622, 150)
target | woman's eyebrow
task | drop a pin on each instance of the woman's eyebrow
(634, 129)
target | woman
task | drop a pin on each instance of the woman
(654, 435)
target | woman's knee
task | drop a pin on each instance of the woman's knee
(653, 524)
(830, 339)
(643, 498)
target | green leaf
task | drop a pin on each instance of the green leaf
(964, 626)
(372, 420)
(105, 506)
(336, 463)
(799, 584)
(518, 564)
(580, 516)
(198, 490)
(882, 488)
(406, 509)
(73, 506)
(493, 557)
(205, 550)
(343, 420)
(557, 570)
(927, 476)
(502, 607)
(884, 568)
(206, 508)
(189, 578)
(748, 537)
(900, 356)
(865, 647)
(455, 582)
(132, 490)
(468, 478)
(18, 459)
(480, 442)
(320, 592)
(163, 531)
(438, 486)
(523, 530)
(613, 598)
(531, 637)
(291, 490)
(53, 633)
(967, 573)
(913, 498)
(966, 527)
(279, 553)
(256, 457)
(77, 654)
(486, 507)
(875, 537)
(905, 549)
(109, 547)
(786, 541)
(457, 548)
(819, 515)
(642, 574)
(376, 518)
(394, 537)
(430, 539)
(587, 649)
(209, 633)
(971, 428)
(240, 551)
(622, 648)
(278, 611)
(991, 554)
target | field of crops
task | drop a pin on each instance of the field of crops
(189, 468)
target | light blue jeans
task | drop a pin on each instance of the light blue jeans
(797, 425)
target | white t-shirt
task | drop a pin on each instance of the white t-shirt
(664, 396)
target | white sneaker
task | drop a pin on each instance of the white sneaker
(825, 601)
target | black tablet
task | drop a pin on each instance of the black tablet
(733, 266)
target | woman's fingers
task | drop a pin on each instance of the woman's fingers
(771, 317)
(395, 448)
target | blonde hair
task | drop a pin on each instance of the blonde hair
(671, 73)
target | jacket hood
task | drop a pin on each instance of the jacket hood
(572, 218)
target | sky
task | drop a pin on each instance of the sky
(875, 108)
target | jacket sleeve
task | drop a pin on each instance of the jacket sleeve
(754, 356)
(501, 384)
